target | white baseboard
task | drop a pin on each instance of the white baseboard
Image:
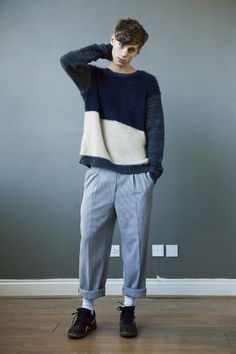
(155, 286)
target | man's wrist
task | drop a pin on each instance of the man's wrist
(156, 174)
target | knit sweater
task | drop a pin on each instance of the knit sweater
(123, 122)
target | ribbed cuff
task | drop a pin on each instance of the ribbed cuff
(155, 175)
(106, 49)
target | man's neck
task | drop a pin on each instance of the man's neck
(126, 69)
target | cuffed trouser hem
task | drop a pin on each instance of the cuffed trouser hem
(134, 292)
(92, 294)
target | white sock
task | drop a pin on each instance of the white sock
(88, 304)
(129, 301)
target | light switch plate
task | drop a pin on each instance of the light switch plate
(158, 250)
(171, 250)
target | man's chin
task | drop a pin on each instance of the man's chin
(120, 64)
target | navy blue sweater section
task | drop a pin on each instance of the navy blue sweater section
(120, 97)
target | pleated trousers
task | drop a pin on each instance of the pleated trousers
(109, 196)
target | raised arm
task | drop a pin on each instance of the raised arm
(76, 63)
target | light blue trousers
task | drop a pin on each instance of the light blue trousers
(109, 195)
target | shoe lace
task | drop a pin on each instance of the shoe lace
(127, 313)
(79, 315)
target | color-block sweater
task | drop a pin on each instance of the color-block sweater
(123, 123)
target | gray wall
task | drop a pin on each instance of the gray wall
(191, 51)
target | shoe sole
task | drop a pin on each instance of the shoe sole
(82, 335)
(128, 334)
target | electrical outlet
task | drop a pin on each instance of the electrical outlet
(158, 250)
(171, 250)
(115, 251)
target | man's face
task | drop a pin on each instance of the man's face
(123, 54)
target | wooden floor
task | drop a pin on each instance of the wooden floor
(165, 325)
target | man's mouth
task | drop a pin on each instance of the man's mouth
(121, 60)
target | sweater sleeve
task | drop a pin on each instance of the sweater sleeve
(155, 133)
(76, 63)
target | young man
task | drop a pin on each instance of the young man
(122, 144)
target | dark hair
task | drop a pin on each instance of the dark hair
(130, 31)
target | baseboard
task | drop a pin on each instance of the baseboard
(158, 287)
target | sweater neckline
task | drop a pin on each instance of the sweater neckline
(121, 74)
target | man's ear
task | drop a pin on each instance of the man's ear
(112, 39)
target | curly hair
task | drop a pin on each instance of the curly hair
(130, 31)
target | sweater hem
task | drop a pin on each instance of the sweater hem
(91, 161)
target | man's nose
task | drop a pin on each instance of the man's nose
(124, 52)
